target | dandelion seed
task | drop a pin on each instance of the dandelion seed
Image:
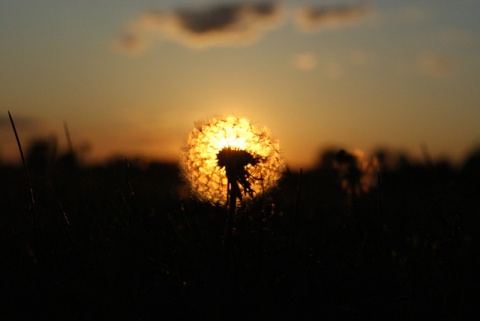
(230, 154)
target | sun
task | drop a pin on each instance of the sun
(229, 149)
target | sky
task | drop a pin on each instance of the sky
(133, 77)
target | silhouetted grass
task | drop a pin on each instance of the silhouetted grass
(124, 241)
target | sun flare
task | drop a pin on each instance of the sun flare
(204, 167)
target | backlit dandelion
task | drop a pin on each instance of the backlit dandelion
(231, 158)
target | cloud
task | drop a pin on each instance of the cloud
(311, 18)
(433, 64)
(305, 61)
(330, 64)
(220, 24)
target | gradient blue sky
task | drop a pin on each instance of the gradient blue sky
(365, 74)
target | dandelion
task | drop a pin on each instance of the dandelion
(228, 160)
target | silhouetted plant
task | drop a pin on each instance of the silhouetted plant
(357, 175)
(226, 153)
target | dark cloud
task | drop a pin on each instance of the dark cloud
(227, 24)
(310, 18)
(223, 17)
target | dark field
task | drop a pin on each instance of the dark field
(125, 241)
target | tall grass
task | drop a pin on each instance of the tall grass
(136, 247)
(27, 177)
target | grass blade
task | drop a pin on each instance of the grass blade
(27, 176)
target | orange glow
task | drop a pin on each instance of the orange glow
(200, 165)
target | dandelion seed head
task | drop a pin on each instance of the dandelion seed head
(202, 166)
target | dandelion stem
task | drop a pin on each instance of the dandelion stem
(232, 206)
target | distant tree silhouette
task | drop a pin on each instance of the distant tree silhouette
(471, 168)
(472, 162)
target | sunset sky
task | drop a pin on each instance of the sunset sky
(132, 77)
